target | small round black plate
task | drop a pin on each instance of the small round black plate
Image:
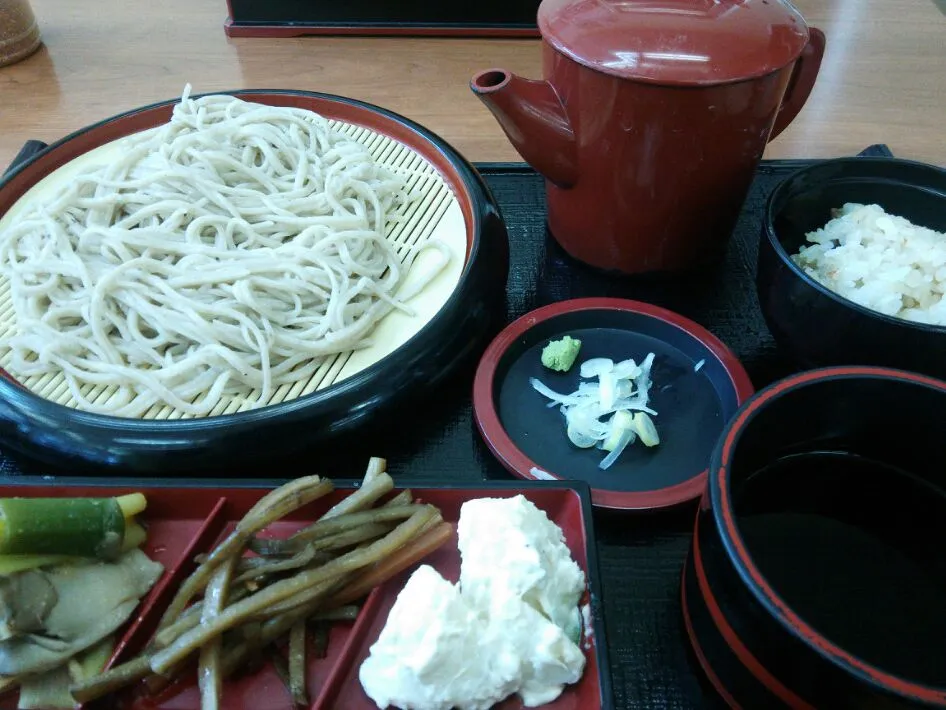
(692, 403)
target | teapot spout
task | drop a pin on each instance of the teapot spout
(534, 119)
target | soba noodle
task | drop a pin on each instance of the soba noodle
(223, 254)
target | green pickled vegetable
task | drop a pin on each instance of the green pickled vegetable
(560, 355)
(50, 690)
(82, 527)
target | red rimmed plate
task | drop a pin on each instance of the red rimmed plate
(698, 384)
(187, 518)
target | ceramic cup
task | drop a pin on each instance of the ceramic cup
(19, 34)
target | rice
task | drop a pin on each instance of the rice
(880, 261)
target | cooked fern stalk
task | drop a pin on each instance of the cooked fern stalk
(316, 572)
(52, 528)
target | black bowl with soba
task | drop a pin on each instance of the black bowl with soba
(281, 265)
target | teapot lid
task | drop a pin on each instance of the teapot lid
(678, 42)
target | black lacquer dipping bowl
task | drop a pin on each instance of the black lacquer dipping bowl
(817, 576)
(455, 332)
(812, 323)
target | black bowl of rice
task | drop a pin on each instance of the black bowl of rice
(852, 264)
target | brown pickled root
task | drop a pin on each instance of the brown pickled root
(394, 564)
(111, 680)
(270, 508)
(235, 656)
(249, 564)
(319, 639)
(342, 613)
(279, 665)
(306, 597)
(189, 619)
(268, 567)
(244, 610)
(355, 536)
(363, 498)
(305, 581)
(297, 665)
(376, 466)
(209, 678)
(327, 543)
(155, 683)
(350, 521)
(405, 497)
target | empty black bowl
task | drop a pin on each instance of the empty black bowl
(815, 325)
(816, 577)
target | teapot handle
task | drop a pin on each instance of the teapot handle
(803, 78)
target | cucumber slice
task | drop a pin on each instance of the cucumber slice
(83, 527)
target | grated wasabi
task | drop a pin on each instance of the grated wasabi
(560, 355)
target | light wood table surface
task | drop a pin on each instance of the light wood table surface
(883, 78)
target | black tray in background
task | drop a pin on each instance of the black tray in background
(461, 18)
(639, 556)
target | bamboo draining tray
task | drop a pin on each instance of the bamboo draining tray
(436, 214)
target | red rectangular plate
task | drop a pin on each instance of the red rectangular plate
(186, 519)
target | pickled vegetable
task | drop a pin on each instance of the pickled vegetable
(76, 527)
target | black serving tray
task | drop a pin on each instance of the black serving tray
(293, 18)
(640, 556)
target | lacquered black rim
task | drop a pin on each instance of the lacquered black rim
(778, 196)
(721, 502)
(483, 207)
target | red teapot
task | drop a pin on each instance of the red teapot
(652, 118)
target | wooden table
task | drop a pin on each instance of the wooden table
(882, 80)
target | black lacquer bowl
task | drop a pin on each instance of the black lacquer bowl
(66, 438)
(816, 576)
(815, 325)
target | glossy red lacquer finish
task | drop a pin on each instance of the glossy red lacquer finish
(682, 42)
(184, 522)
(651, 119)
(514, 460)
